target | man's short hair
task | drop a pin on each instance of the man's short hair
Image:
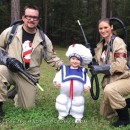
(30, 7)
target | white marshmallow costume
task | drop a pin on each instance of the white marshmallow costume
(70, 100)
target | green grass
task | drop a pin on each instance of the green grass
(44, 115)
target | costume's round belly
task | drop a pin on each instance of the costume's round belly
(77, 88)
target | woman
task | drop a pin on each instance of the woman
(111, 54)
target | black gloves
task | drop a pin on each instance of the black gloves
(14, 65)
(104, 69)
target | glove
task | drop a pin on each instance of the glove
(96, 69)
(14, 65)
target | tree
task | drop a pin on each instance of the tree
(59, 17)
(45, 15)
(4, 14)
(104, 9)
(15, 10)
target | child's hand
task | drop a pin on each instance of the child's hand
(87, 89)
(58, 85)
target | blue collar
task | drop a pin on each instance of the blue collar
(73, 74)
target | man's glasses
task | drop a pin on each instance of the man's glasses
(35, 18)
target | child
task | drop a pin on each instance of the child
(72, 80)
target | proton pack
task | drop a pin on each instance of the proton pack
(121, 32)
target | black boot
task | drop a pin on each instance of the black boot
(11, 94)
(128, 102)
(123, 119)
(1, 111)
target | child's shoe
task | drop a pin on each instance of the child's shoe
(60, 117)
(78, 120)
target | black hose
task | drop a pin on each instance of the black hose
(95, 95)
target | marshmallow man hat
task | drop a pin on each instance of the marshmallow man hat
(81, 52)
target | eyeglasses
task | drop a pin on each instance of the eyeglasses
(35, 18)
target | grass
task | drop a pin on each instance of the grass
(44, 115)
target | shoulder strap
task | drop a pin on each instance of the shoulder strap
(43, 42)
(13, 32)
(42, 35)
(11, 36)
(110, 46)
(111, 42)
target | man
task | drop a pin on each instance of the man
(26, 49)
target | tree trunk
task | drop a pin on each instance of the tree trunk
(104, 9)
(45, 15)
(111, 7)
(15, 10)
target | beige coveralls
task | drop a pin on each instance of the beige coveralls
(26, 89)
(116, 86)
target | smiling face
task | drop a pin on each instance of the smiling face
(74, 62)
(31, 20)
(105, 29)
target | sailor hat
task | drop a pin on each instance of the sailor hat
(81, 52)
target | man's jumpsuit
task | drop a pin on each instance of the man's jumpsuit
(26, 89)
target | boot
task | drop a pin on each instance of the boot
(11, 94)
(123, 117)
(1, 111)
(128, 102)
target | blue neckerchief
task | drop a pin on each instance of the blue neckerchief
(73, 74)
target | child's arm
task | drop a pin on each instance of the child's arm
(57, 80)
(87, 86)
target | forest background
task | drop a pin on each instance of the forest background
(59, 17)
(59, 22)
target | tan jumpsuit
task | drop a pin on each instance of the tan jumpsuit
(26, 89)
(117, 85)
